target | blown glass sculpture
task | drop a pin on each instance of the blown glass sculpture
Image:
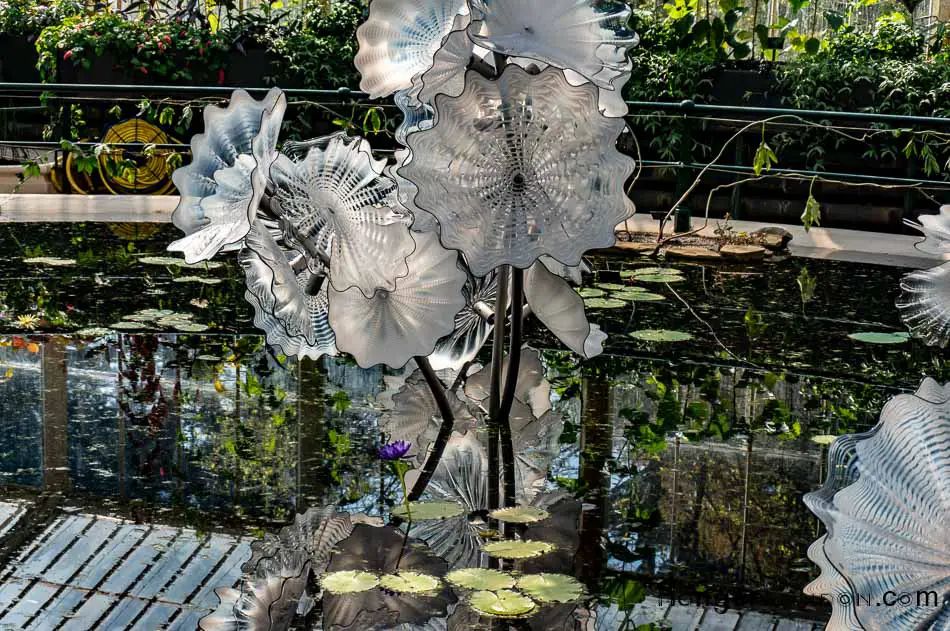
(886, 506)
(399, 39)
(925, 301)
(521, 167)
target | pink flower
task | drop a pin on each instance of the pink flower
(221, 77)
(67, 55)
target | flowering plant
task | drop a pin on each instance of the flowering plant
(28, 17)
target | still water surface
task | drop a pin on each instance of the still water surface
(148, 437)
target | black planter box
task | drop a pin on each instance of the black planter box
(741, 86)
(18, 58)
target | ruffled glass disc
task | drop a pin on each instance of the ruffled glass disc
(393, 327)
(924, 304)
(338, 206)
(588, 37)
(521, 167)
(293, 320)
(936, 229)
(886, 506)
(399, 40)
(222, 205)
(472, 326)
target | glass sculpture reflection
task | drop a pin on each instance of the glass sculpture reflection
(886, 506)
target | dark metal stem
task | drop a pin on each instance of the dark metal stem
(511, 383)
(494, 401)
(445, 432)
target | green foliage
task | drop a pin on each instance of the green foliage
(29, 18)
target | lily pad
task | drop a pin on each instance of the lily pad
(551, 588)
(208, 358)
(604, 303)
(190, 327)
(350, 582)
(51, 261)
(590, 292)
(875, 337)
(660, 278)
(422, 511)
(94, 331)
(519, 514)
(661, 335)
(198, 279)
(503, 603)
(611, 286)
(518, 549)
(128, 326)
(478, 578)
(171, 261)
(410, 583)
(824, 439)
(638, 296)
(649, 271)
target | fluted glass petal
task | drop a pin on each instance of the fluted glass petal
(422, 220)
(610, 101)
(228, 133)
(293, 320)
(887, 529)
(338, 206)
(393, 327)
(447, 74)
(555, 303)
(936, 229)
(521, 167)
(416, 115)
(399, 39)
(590, 38)
(472, 325)
(924, 304)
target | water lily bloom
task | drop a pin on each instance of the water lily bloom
(394, 450)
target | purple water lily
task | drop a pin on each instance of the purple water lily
(395, 450)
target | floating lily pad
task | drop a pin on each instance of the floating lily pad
(661, 335)
(824, 439)
(520, 514)
(604, 303)
(138, 317)
(478, 578)
(350, 582)
(174, 319)
(170, 261)
(208, 358)
(94, 331)
(503, 603)
(410, 583)
(638, 296)
(128, 326)
(155, 313)
(190, 327)
(198, 279)
(518, 549)
(590, 292)
(612, 286)
(649, 271)
(660, 278)
(50, 260)
(421, 511)
(874, 337)
(551, 588)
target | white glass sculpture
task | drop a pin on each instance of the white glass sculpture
(389, 327)
(473, 325)
(925, 304)
(590, 38)
(221, 188)
(399, 39)
(886, 506)
(561, 310)
(521, 167)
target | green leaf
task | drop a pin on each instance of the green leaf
(519, 514)
(423, 511)
(478, 578)
(518, 549)
(504, 603)
(551, 588)
(812, 213)
(764, 158)
(166, 116)
(351, 582)
(835, 20)
(661, 335)
(410, 583)
(604, 303)
(812, 46)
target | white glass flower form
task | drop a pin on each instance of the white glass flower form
(221, 188)
(290, 301)
(555, 303)
(415, 115)
(611, 101)
(422, 221)
(392, 327)
(886, 506)
(521, 167)
(338, 206)
(590, 38)
(473, 325)
(447, 74)
(399, 39)
(925, 301)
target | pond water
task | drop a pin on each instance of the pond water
(136, 397)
